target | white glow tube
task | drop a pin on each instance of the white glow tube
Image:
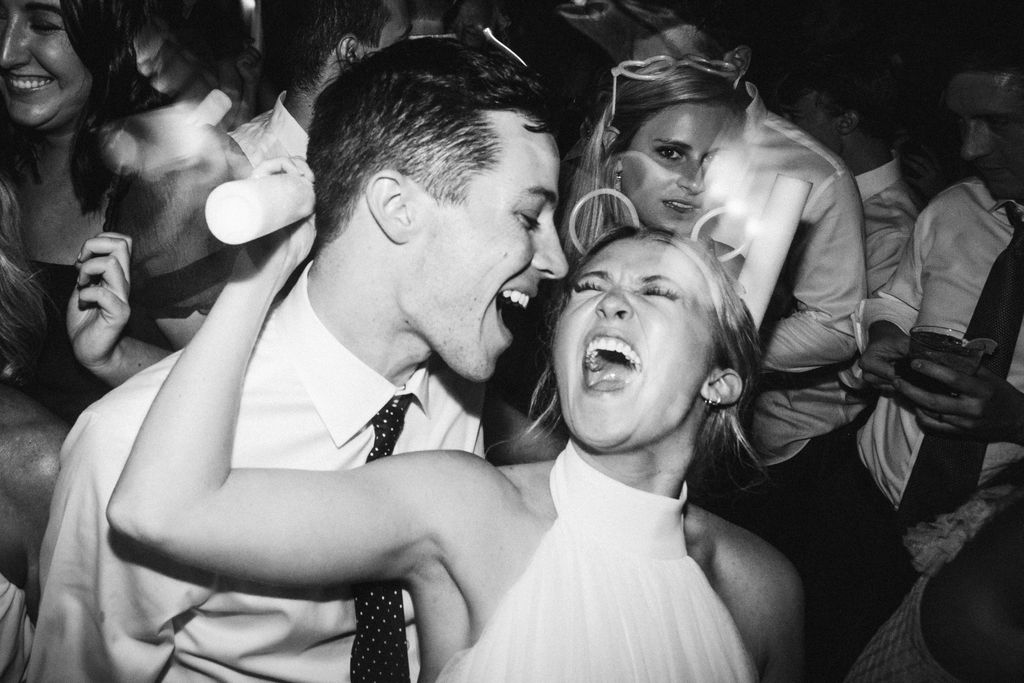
(770, 237)
(243, 210)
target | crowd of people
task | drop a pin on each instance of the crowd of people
(500, 406)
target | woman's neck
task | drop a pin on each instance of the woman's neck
(660, 470)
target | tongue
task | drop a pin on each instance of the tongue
(604, 374)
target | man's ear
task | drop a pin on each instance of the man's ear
(847, 122)
(723, 387)
(347, 51)
(740, 57)
(392, 198)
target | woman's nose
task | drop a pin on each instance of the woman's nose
(13, 44)
(692, 178)
(614, 305)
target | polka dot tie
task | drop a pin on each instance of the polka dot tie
(380, 650)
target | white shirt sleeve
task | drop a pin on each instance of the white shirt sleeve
(105, 615)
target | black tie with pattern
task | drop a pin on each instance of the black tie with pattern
(380, 650)
(946, 471)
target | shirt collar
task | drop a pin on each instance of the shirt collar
(755, 112)
(874, 181)
(345, 392)
(284, 126)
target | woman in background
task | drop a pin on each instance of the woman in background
(653, 141)
(68, 67)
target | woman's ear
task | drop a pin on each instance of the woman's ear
(391, 199)
(723, 387)
(740, 57)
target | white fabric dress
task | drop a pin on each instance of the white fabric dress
(610, 595)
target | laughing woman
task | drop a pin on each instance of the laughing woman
(590, 568)
(68, 68)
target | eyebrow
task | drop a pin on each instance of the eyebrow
(550, 196)
(41, 7)
(646, 280)
(673, 141)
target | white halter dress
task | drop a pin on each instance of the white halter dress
(610, 595)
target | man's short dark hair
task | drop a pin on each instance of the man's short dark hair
(303, 34)
(995, 49)
(866, 84)
(420, 108)
(722, 24)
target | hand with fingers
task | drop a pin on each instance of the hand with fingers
(98, 310)
(984, 407)
(278, 252)
(887, 344)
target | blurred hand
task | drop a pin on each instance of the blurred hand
(98, 310)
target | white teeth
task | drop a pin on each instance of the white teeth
(520, 299)
(25, 83)
(614, 345)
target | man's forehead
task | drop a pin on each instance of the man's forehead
(986, 92)
(524, 149)
(679, 40)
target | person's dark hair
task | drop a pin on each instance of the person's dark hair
(721, 24)
(998, 49)
(100, 33)
(420, 108)
(722, 444)
(304, 35)
(842, 82)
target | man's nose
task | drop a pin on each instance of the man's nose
(977, 140)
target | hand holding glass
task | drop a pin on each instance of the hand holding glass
(946, 347)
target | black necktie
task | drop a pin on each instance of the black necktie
(380, 650)
(946, 471)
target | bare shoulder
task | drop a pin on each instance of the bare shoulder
(758, 585)
(30, 441)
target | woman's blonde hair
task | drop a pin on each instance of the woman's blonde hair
(612, 131)
(22, 299)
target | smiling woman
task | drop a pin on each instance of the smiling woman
(66, 69)
(533, 572)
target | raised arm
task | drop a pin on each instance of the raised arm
(179, 495)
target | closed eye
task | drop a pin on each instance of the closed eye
(651, 290)
(529, 222)
(585, 285)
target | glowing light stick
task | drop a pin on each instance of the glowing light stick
(252, 16)
(244, 210)
(770, 237)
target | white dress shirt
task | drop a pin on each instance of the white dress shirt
(889, 214)
(113, 612)
(937, 282)
(825, 273)
(274, 133)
